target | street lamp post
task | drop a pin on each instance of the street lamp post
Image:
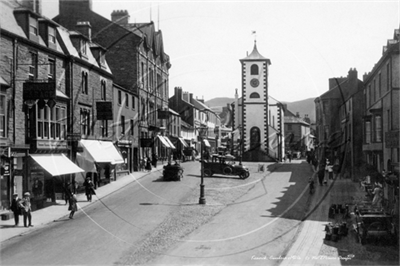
(203, 133)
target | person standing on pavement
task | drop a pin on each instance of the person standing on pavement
(26, 211)
(154, 160)
(321, 175)
(16, 208)
(148, 164)
(73, 206)
(89, 191)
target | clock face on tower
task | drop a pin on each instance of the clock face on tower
(254, 83)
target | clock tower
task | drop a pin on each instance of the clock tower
(255, 107)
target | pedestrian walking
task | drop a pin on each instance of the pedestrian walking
(67, 192)
(330, 171)
(154, 160)
(89, 189)
(27, 208)
(148, 164)
(73, 206)
(16, 208)
(321, 175)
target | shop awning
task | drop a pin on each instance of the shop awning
(170, 143)
(56, 164)
(102, 151)
(207, 143)
(183, 142)
(163, 141)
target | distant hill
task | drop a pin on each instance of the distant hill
(303, 107)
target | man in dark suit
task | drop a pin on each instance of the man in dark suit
(16, 208)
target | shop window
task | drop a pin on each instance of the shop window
(3, 115)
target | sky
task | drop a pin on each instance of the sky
(308, 42)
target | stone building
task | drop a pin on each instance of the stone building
(135, 54)
(257, 116)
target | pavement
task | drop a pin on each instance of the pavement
(44, 216)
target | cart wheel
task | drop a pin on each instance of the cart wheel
(207, 172)
(242, 175)
(247, 174)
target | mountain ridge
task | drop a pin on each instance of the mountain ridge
(303, 107)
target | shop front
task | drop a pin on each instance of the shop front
(101, 157)
(47, 175)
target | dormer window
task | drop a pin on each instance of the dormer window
(102, 58)
(83, 47)
(33, 26)
(52, 69)
(52, 35)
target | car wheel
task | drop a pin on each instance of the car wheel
(207, 172)
(227, 170)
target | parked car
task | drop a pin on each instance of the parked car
(373, 226)
(225, 165)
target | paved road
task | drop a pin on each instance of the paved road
(155, 222)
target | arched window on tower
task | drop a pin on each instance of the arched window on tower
(254, 69)
(254, 95)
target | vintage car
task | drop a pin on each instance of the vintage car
(172, 172)
(374, 226)
(225, 165)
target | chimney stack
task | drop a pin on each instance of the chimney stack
(33, 5)
(85, 28)
(121, 17)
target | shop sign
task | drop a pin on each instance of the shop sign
(39, 90)
(104, 110)
(51, 144)
(146, 142)
(74, 137)
(392, 139)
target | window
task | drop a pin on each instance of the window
(33, 67)
(131, 128)
(103, 90)
(133, 102)
(126, 100)
(367, 132)
(52, 35)
(379, 85)
(3, 129)
(51, 122)
(254, 69)
(84, 83)
(122, 124)
(378, 128)
(85, 121)
(104, 128)
(33, 26)
(387, 77)
(52, 69)
(119, 97)
(83, 48)
(254, 95)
